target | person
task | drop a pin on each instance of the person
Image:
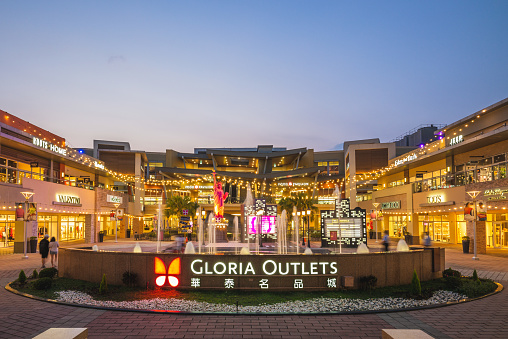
(53, 251)
(44, 249)
(386, 241)
(179, 243)
(426, 239)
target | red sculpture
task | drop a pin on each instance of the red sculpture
(219, 198)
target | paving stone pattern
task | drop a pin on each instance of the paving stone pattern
(485, 318)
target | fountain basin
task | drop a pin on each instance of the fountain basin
(252, 272)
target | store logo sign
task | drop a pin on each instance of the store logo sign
(496, 193)
(114, 199)
(293, 184)
(390, 205)
(410, 157)
(268, 267)
(456, 140)
(47, 145)
(67, 199)
(172, 271)
(434, 199)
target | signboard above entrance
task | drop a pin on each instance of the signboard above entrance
(114, 199)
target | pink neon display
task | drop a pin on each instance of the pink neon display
(219, 198)
(267, 224)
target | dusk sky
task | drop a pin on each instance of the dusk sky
(186, 74)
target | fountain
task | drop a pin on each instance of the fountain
(137, 248)
(211, 233)
(296, 230)
(402, 246)
(362, 249)
(189, 248)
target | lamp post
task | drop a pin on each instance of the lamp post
(308, 228)
(116, 221)
(27, 196)
(376, 205)
(473, 195)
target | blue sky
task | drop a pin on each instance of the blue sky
(185, 74)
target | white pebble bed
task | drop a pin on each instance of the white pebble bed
(316, 305)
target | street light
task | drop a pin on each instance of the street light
(27, 196)
(473, 195)
(376, 205)
(308, 228)
(116, 221)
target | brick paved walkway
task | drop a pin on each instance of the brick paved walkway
(486, 318)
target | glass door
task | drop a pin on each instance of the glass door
(497, 234)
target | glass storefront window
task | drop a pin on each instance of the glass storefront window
(397, 224)
(47, 224)
(72, 227)
(6, 229)
(461, 227)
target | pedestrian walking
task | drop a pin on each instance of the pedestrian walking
(53, 251)
(44, 249)
(386, 241)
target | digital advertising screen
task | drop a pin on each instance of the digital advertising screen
(267, 224)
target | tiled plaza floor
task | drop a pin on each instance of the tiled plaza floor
(486, 318)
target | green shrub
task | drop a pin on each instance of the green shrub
(129, 278)
(453, 282)
(416, 287)
(367, 283)
(50, 272)
(451, 273)
(473, 289)
(22, 277)
(34, 275)
(475, 277)
(103, 287)
(43, 283)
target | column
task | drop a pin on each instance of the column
(481, 235)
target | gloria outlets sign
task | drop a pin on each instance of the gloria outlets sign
(246, 272)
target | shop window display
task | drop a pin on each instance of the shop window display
(6, 230)
(72, 227)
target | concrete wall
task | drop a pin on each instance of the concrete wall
(391, 268)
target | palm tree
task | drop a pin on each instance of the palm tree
(176, 204)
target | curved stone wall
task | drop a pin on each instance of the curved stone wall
(273, 272)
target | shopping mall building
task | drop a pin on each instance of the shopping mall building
(415, 184)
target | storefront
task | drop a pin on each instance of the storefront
(440, 214)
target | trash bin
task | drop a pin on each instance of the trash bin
(128, 233)
(101, 236)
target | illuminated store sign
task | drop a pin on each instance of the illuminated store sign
(226, 272)
(114, 199)
(456, 140)
(98, 165)
(198, 187)
(435, 199)
(390, 205)
(173, 269)
(67, 199)
(268, 267)
(410, 157)
(292, 184)
(50, 146)
(496, 193)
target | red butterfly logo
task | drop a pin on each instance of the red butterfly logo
(173, 269)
